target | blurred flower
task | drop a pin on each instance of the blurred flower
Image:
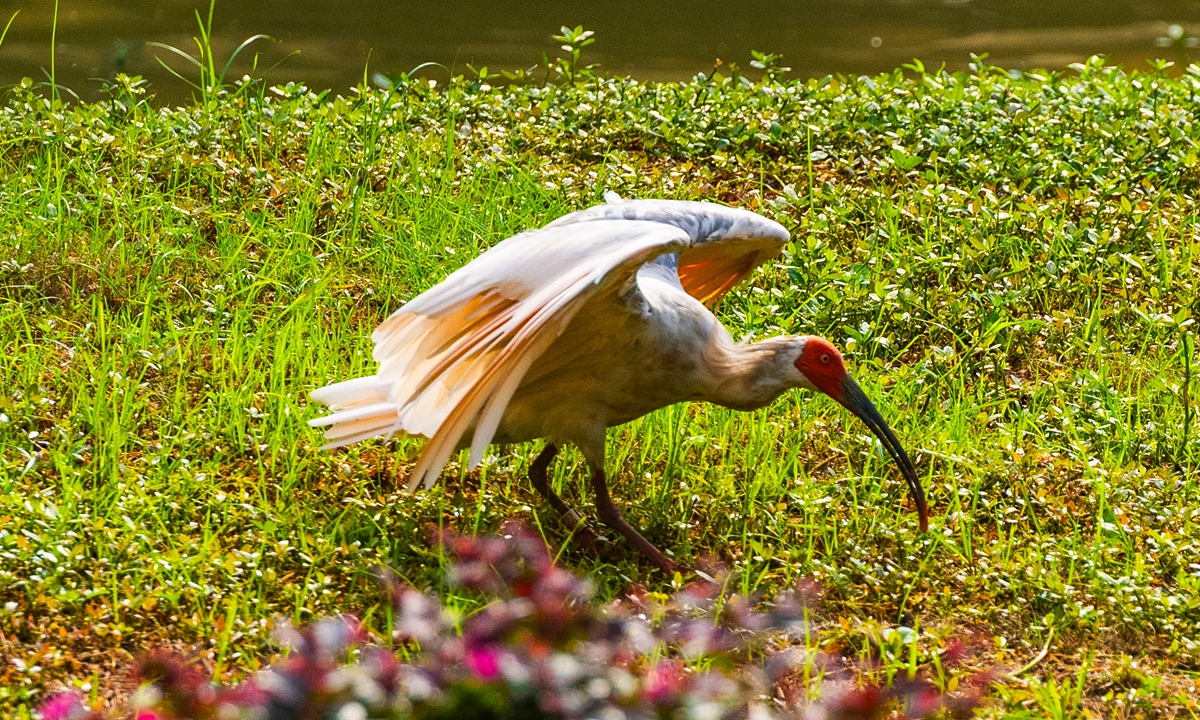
(484, 662)
(541, 649)
(64, 706)
(663, 682)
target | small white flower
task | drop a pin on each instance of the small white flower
(146, 696)
(418, 687)
(706, 711)
(565, 668)
(352, 711)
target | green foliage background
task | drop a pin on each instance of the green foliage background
(1009, 261)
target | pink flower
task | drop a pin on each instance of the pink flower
(663, 682)
(484, 662)
(956, 652)
(923, 702)
(63, 706)
(865, 703)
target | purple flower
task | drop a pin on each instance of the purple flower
(484, 662)
(64, 706)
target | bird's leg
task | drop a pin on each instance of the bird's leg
(541, 482)
(612, 517)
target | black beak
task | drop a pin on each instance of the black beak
(853, 399)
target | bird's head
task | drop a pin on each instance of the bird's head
(823, 370)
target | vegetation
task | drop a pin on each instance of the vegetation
(1008, 260)
(541, 651)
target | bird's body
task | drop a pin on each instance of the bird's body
(560, 333)
(663, 347)
(605, 370)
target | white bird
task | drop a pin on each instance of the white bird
(594, 320)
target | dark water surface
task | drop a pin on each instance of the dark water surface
(655, 39)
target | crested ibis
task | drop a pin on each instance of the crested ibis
(591, 321)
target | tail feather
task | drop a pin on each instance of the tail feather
(384, 426)
(353, 414)
(361, 411)
(352, 393)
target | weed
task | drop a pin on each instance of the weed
(8, 25)
(210, 82)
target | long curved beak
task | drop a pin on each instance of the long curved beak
(853, 399)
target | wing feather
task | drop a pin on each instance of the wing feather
(493, 376)
(708, 272)
(726, 243)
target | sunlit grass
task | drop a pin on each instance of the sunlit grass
(1010, 264)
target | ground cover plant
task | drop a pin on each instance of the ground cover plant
(541, 650)
(1008, 260)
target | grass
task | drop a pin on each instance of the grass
(1009, 262)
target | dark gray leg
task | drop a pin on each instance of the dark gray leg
(611, 516)
(538, 476)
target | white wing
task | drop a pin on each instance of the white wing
(451, 358)
(726, 244)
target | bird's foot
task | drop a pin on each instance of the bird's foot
(589, 541)
(671, 567)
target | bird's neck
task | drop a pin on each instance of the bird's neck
(746, 376)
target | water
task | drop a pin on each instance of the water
(654, 39)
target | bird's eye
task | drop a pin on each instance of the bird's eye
(825, 358)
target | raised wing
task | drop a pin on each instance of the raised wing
(451, 358)
(726, 244)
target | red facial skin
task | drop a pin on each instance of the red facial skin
(822, 364)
